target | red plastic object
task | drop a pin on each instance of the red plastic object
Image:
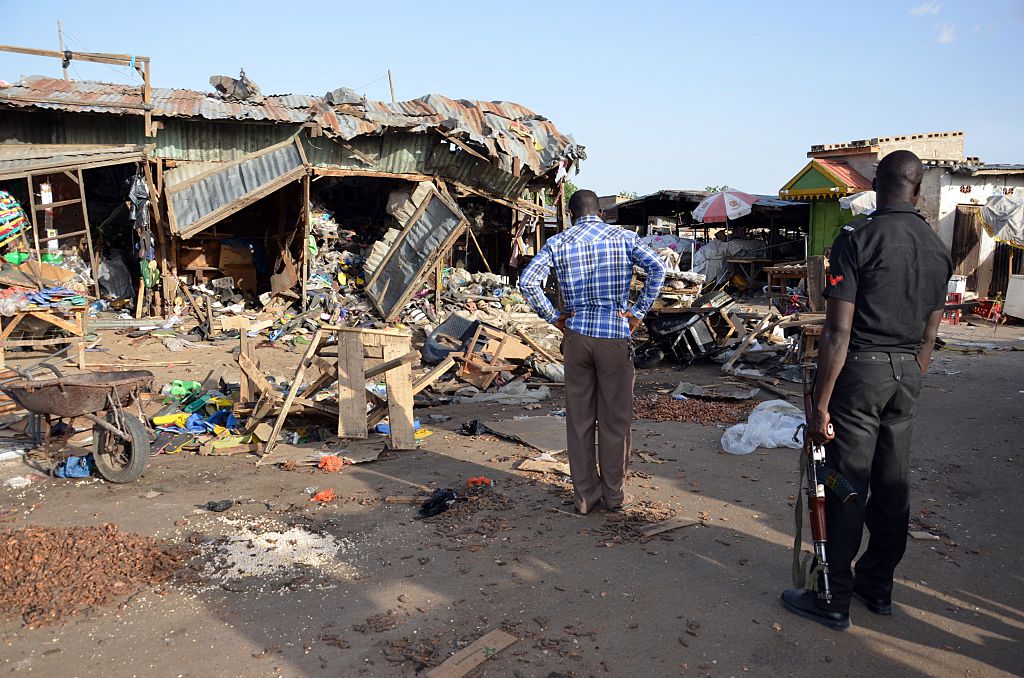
(324, 496)
(952, 317)
(987, 308)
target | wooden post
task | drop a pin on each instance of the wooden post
(35, 226)
(816, 283)
(400, 399)
(147, 100)
(60, 44)
(391, 84)
(469, 229)
(88, 235)
(439, 283)
(306, 217)
(351, 386)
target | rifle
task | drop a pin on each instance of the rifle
(817, 477)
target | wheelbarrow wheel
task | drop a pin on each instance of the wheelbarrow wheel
(118, 460)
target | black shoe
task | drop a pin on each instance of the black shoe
(805, 604)
(877, 605)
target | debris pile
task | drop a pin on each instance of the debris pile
(51, 573)
(704, 412)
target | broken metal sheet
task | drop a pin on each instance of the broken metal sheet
(546, 434)
(201, 201)
(429, 233)
(22, 160)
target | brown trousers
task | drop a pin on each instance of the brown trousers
(598, 399)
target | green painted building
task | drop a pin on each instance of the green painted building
(822, 183)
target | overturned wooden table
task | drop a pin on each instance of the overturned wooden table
(71, 320)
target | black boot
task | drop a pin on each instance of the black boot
(876, 603)
(805, 603)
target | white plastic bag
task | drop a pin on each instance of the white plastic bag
(773, 423)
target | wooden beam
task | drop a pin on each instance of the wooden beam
(293, 391)
(400, 400)
(94, 57)
(537, 347)
(71, 102)
(433, 375)
(408, 358)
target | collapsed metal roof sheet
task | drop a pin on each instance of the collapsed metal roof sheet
(21, 160)
(500, 129)
(198, 200)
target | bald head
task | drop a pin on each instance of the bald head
(584, 203)
(898, 178)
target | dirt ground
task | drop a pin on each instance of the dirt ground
(582, 596)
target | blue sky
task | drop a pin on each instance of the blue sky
(663, 95)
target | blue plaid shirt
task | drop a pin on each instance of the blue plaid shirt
(594, 264)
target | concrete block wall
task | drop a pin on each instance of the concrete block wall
(928, 146)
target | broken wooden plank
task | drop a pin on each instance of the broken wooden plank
(251, 371)
(233, 449)
(406, 499)
(433, 375)
(351, 386)
(473, 655)
(293, 391)
(667, 525)
(398, 381)
(408, 358)
(748, 340)
(536, 466)
(537, 347)
(212, 381)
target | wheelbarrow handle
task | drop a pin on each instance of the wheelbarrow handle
(52, 368)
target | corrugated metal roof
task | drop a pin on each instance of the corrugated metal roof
(501, 129)
(989, 168)
(20, 160)
(853, 179)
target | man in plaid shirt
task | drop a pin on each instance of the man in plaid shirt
(594, 265)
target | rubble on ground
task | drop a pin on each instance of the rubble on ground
(52, 573)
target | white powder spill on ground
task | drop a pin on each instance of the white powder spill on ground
(260, 550)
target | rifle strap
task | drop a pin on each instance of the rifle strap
(805, 568)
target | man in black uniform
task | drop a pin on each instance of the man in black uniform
(886, 289)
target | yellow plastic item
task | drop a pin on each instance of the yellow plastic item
(177, 419)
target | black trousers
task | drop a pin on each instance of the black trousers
(872, 410)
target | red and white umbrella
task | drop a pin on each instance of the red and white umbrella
(724, 205)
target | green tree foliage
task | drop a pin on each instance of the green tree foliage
(570, 188)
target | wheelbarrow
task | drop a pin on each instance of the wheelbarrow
(120, 441)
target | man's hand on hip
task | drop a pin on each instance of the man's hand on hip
(634, 322)
(560, 323)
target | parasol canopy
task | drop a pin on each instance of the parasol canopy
(1003, 217)
(724, 205)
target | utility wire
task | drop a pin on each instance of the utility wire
(120, 73)
(372, 82)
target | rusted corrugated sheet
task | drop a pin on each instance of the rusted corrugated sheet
(204, 199)
(20, 160)
(501, 130)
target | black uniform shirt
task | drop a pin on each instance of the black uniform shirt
(894, 268)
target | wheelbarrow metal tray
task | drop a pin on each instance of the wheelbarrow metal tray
(77, 394)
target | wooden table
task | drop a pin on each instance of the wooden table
(749, 268)
(72, 321)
